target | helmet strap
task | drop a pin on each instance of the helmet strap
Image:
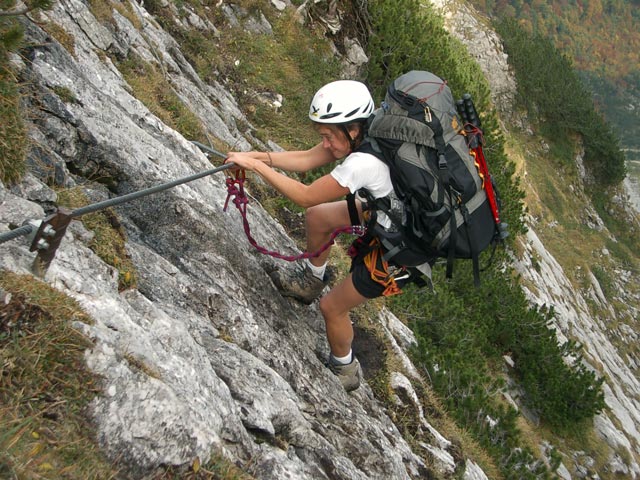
(353, 142)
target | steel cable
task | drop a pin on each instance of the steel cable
(15, 233)
(27, 228)
(141, 193)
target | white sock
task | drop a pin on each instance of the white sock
(342, 360)
(317, 271)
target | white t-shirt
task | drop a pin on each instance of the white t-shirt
(363, 170)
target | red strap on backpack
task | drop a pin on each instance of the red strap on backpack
(483, 169)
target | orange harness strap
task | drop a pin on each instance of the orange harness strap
(381, 276)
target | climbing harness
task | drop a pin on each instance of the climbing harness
(370, 250)
(235, 189)
(381, 272)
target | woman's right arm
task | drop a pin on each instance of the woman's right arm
(295, 161)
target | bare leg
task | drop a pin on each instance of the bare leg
(321, 222)
(335, 307)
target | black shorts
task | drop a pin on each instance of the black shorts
(362, 281)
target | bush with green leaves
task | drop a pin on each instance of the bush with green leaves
(476, 323)
(409, 35)
(463, 333)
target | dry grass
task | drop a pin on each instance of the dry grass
(44, 386)
(151, 87)
(13, 138)
(103, 11)
(217, 468)
(557, 205)
(61, 35)
(110, 238)
(589, 443)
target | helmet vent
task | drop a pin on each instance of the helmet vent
(352, 113)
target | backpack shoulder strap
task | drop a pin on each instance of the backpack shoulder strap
(368, 146)
(354, 218)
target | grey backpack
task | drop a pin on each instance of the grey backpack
(449, 210)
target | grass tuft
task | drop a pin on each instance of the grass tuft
(150, 86)
(109, 240)
(13, 135)
(44, 385)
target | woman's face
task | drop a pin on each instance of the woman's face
(334, 140)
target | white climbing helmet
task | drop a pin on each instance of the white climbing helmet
(342, 101)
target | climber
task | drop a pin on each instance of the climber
(339, 112)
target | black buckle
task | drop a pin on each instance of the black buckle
(442, 162)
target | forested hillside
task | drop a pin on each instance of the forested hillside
(602, 39)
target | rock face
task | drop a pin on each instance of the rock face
(468, 26)
(205, 355)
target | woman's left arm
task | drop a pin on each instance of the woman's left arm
(322, 190)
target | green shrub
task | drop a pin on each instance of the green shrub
(409, 35)
(462, 334)
(604, 280)
(464, 331)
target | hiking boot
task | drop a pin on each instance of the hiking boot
(349, 375)
(302, 285)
